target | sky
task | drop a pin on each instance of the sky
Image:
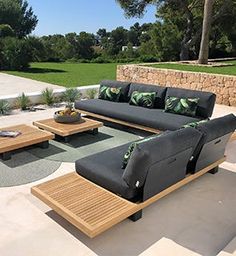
(64, 16)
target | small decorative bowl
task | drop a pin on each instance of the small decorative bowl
(66, 119)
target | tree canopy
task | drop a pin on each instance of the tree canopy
(19, 16)
(186, 16)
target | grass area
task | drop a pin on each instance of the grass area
(69, 74)
(227, 70)
(79, 74)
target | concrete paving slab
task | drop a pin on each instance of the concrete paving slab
(198, 219)
(10, 84)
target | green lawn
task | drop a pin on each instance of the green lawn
(69, 74)
(228, 70)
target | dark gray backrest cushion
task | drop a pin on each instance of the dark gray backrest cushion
(206, 99)
(217, 127)
(149, 153)
(124, 85)
(160, 91)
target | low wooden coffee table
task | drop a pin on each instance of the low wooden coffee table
(29, 136)
(65, 130)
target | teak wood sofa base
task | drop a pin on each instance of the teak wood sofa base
(117, 121)
(93, 209)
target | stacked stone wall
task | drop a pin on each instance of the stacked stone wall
(223, 86)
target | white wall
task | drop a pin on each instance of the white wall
(35, 97)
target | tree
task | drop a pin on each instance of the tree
(206, 27)
(19, 16)
(15, 53)
(85, 43)
(6, 30)
(135, 8)
(186, 15)
(101, 33)
(115, 41)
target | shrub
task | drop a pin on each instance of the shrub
(48, 97)
(126, 60)
(16, 54)
(91, 93)
(148, 58)
(101, 60)
(83, 61)
(71, 95)
(23, 102)
(4, 107)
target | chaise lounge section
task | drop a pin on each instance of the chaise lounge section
(187, 150)
(105, 168)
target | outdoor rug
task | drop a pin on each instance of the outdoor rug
(84, 144)
(24, 168)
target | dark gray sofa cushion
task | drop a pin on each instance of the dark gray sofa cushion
(124, 85)
(160, 92)
(154, 118)
(206, 99)
(105, 170)
(217, 127)
(147, 154)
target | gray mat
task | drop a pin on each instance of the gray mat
(24, 168)
(84, 144)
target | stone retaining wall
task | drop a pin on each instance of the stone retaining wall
(223, 86)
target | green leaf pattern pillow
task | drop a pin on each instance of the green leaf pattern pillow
(143, 99)
(181, 106)
(109, 93)
(132, 147)
(194, 124)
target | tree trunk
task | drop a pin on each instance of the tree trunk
(185, 44)
(206, 27)
(184, 53)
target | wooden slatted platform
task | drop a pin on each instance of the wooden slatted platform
(91, 208)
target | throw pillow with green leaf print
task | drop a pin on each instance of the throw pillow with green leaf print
(194, 124)
(181, 106)
(132, 147)
(109, 93)
(143, 99)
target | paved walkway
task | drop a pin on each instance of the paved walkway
(10, 84)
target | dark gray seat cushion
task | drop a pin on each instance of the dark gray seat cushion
(165, 146)
(154, 118)
(105, 170)
(206, 99)
(217, 127)
(124, 88)
(160, 92)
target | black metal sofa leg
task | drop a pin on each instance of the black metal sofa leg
(214, 170)
(136, 216)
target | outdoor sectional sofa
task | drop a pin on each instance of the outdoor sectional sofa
(154, 119)
(101, 193)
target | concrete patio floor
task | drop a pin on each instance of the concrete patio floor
(10, 84)
(198, 219)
